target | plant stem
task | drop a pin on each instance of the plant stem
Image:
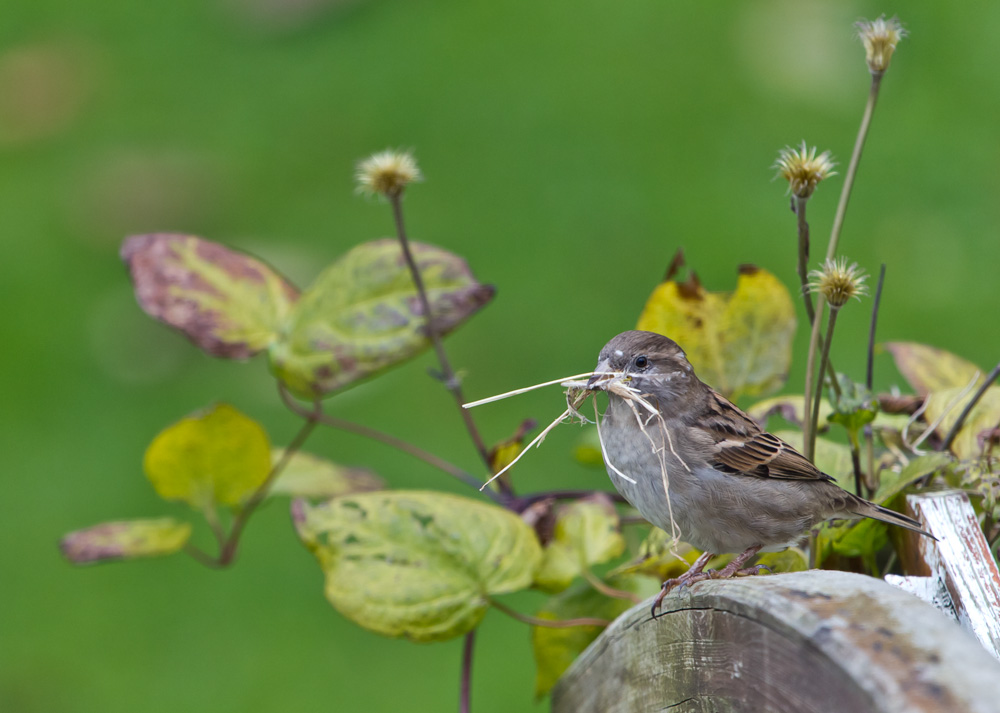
(465, 694)
(548, 623)
(957, 426)
(852, 168)
(607, 590)
(202, 557)
(521, 503)
(228, 552)
(803, 264)
(831, 321)
(856, 462)
(870, 376)
(808, 423)
(391, 441)
(451, 382)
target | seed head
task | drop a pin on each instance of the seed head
(880, 38)
(387, 173)
(838, 282)
(803, 169)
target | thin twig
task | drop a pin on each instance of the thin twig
(465, 694)
(451, 381)
(202, 557)
(397, 443)
(870, 375)
(852, 169)
(607, 590)
(803, 269)
(952, 403)
(240, 520)
(831, 321)
(548, 623)
(957, 426)
(856, 465)
(522, 502)
(808, 424)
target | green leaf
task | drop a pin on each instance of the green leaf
(363, 315)
(418, 565)
(660, 557)
(831, 457)
(892, 483)
(124, 540)
(739, 342)
(309, 476)
(947, 405)
(556, 649)
(791, 560)
(790, 407)
(858, 539)
(855, 407)
(586, 533)
(587, 449)
(215, 456)
(229, 304)
(930, 369)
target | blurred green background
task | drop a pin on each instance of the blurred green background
(569, 148)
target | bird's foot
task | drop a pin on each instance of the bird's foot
(694, 574)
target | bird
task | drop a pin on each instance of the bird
(733, 487)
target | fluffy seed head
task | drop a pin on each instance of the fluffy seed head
(803, 169)
(838, 282)
(387, 173)
(880, 38)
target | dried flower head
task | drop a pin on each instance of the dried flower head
(387, 173)
(838, 282)
(803, 169)
(880, 38)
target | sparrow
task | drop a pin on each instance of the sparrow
(694, 464)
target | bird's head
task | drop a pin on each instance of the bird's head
(645, 361)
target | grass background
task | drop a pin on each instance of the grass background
(569, 147)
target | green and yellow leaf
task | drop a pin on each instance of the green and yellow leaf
(948, 404)
(309, 476)
(229, 304)
(124, 540)
(928, 369)
(363, 315)
(556, 649)
(586, 533)
(417, 565)
(216, 456)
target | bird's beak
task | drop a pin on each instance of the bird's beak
(600, 372)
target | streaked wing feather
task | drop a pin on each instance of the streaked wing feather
(745, 449)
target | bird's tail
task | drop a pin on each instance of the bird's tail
(867, 509)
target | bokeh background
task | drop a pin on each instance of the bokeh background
(569, 148)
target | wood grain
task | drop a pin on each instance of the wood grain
(809, 641)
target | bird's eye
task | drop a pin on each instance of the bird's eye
(641, 362)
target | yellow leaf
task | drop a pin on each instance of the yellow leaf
(929, 369)
(947, 406)
(127, 539)
(586, 533)
(216, 456)
(740, 342)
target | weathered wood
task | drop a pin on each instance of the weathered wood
(960, 559)
(806, 642)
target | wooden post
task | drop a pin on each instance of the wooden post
(959, 562)
(806, 642)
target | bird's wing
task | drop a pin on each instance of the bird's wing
(743, 448)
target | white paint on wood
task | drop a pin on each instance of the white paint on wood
(961, 559)
(929, 589)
